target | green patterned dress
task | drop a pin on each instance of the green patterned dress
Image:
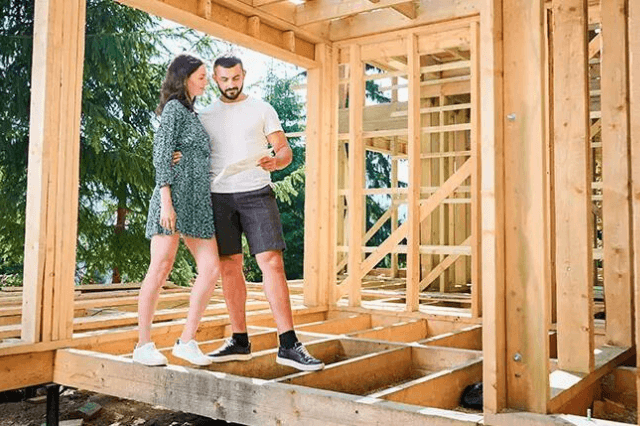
(181, 130)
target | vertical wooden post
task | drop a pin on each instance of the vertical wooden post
(615, 174)
(52, 195)
(550, 158)
(492, 206)
(476, 147)
(313, 181)
(394, 198)
(356, 172)
(574, 235)
(441, 180)
(634, 109)
(527, 291)
(413, 193)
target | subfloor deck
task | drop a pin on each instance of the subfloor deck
(383, 365)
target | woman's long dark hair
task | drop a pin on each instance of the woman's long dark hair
(174, 85)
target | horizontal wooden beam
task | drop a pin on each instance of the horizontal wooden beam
(234, 26)
(21, 370)
(380, 21)
(325, 10)
(236, 399)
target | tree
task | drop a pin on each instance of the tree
(126, 55)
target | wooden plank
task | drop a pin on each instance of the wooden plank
(441, 389)
(382, 21)
(527, 289)
(466, 338)
(413, 194)
(566, 386)
(492, 207)
(235, 399)
(338, 325)
(615, 174)
(53, 171)
(634, 133)
(325, 10)
(328, 148)
(361, 375)
(27, 369)
(404, 331)
(356, 173)
(313, 172)
(441, 267)
(572, 153)
(476, 173)
(231, 25)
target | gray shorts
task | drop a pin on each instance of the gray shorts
(254, 213)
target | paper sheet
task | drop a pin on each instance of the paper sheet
(242, 165)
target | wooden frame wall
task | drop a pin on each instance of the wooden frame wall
(419, 129)
(510, 186)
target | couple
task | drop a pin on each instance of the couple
(187, 203)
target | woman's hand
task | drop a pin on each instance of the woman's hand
(168, 217)
(177, 156)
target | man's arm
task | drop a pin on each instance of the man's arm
(283, 152)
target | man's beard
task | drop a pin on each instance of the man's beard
(231, 97)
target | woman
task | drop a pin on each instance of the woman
(180, 206)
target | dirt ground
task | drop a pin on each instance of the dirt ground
(114, 412)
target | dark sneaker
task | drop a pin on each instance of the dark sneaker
(231, 351)
(298, 357)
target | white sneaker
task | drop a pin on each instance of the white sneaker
(190, 352)
(147, 354)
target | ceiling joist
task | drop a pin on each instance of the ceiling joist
(326, 10)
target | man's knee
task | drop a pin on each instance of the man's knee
(271, 261)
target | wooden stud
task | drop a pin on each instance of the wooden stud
(394, 213)
(527, 290)
(356, 172)
(550, 167)
(634, 112)
(572, 153)
(413, 194)
(492, 207)
(51, 197)
(313, 162)
(476, 174)
(615, 174)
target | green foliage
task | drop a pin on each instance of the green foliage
(126, 56)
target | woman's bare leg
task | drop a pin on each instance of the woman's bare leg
(163, 254)
(205, 252)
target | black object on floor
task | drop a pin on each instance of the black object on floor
(472, 396)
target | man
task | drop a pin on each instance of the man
(240, 127)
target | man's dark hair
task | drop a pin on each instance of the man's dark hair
(228, 61)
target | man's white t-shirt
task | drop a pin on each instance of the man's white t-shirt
(239, 131)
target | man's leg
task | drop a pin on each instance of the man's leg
(228, 235)
(235, 291)
(275, 287)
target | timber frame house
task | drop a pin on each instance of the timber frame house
(518, 122)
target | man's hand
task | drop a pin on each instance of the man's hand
(268, 163)
(177, 155)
